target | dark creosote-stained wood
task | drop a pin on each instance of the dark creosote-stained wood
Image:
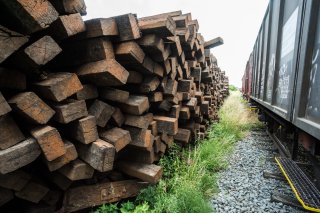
(58, 86)
(70, 155)
(99, 154)
(50, 142)
(70, 110)
(31, 107)
(10, 132)
(103, 73)
(135, 105)
(10, 42)
(89, 107)
(77, 170)
(28, 16)
(118, 137)
(70, 6)
(19, 155)
(102, 112)
(149, 173)
(82, 197)
(37, 54)
(4, 106)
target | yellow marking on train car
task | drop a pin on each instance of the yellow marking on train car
(295, 190)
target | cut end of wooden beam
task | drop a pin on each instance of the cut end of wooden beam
(146, 172)
(50, 142)
(213, 43)
(118, 137)
(10, 132)
(102, 111)
(10, 42)
(19, 155)
(31, 107)
(82, 197)
(167, 124)
(4, 106)
(43, 50)
(99, 154)
(101, 27)
(128, 27)
(59, 86)
(135, 105)
(104, 73)
(70, 155)
(77, 170)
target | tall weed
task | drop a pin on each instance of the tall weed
(190, 174)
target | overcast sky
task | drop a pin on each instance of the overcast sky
(236, 21)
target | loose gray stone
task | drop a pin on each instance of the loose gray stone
(242, 185)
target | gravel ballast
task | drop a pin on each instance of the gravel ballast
(242, 187)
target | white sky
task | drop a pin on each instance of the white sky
(236, 21)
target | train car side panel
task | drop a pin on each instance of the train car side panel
(307, 104)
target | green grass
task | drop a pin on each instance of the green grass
(233, 88)
(190, 174)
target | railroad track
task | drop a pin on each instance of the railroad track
(252, 178)
(304, 194)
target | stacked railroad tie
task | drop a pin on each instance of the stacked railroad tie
(87, 107)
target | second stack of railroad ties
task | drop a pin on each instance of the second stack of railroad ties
(89, 106)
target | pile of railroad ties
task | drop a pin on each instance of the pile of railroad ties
(86, 108)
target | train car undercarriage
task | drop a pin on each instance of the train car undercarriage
(298, 158)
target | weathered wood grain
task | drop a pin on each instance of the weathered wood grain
(102, 112)
(149, 173)
(70, 155)
(88, 92)
(4, 106)
(101, 27)
(117, 117)
(163, 26)
(70, 6)
(50, 142)
(66, 26)
(70, 110)
(149, 84)
(140, 121)
(35, 55)
(103, 73)
(153, 126)
(10, 132)
(82, 197)
(153, 46)
(10, 42)
(171, 87)
(128, 27)
(28, 16)
(31, 107)
(83, 130)
(141, 138)
(77, 170)
(167, 124)
(135, 105)
(183, 135)
(19, 155)
(118, 137)
(99, 154)
(112, 94)
(156, 97)
(58, 86)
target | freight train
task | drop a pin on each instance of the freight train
(282, 79)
